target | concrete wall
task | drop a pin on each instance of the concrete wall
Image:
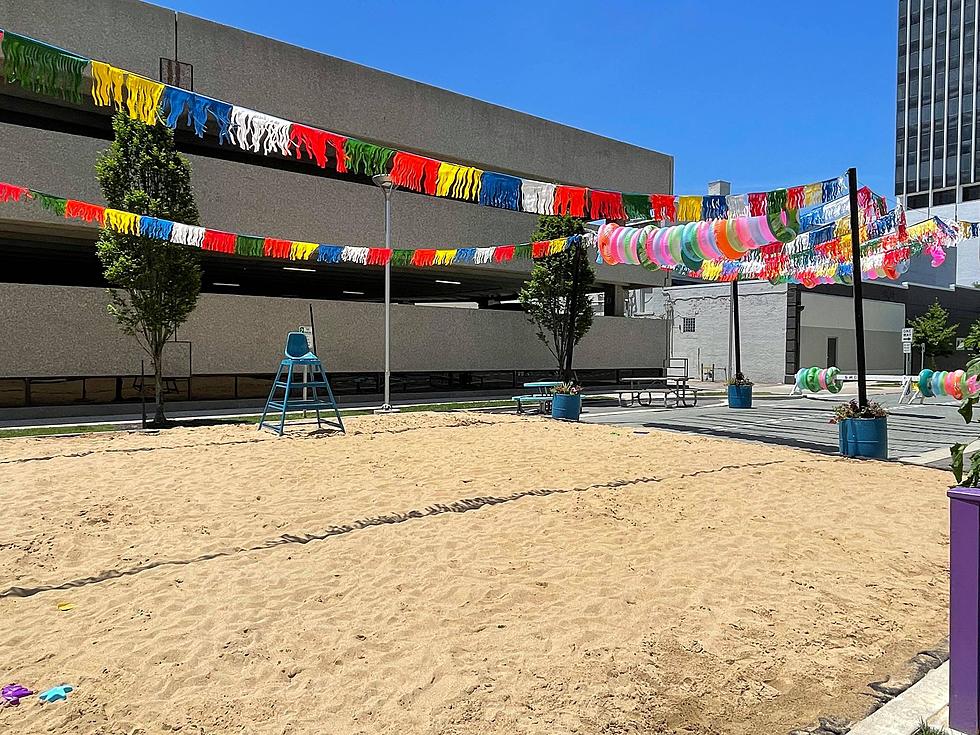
(826, 316)
(305, 86)
(762, 316)
(66, 332)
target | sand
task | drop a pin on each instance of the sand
(458, 573)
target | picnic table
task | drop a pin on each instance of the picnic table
(543, 394)
(670, 386)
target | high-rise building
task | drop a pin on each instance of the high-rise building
(937, 141)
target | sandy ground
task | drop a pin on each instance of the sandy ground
(458, 573)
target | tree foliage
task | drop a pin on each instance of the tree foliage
(933, 330)
(547, 294)
(972, 341)
(155, 284)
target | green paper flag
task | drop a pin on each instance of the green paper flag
(55, 205)
(367, 158)
(251, 246)
(637, 206)
(401, 257)
(41, 68)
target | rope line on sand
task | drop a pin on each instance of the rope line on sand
(458, 506)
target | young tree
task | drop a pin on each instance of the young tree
(155, 284)
(547, 294)
(933, 330)
(972, 341)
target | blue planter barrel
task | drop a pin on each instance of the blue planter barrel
(740, 396)
(864, 437)
(564, 406)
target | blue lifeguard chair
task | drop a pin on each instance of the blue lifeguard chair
(313, 380)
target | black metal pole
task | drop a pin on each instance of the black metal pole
(737, 336)
(313, 329)
(862, 373)
(572, 304)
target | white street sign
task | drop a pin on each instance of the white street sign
(907, 348)
(907, 335)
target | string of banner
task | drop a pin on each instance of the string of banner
(767, 246)
(51, 71)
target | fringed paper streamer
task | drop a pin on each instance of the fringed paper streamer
(833, 189)
(187, 235)
(143, 98)
(537, 197)
(458, 182)
(158, 229)
(378, 256)
(776, 201)
(738, 205)
(500, 190)
(11, 193)
(125, 223)
(402, 257)
(812, 194)
(275, 248)
(257, 132)
(415, 173)
(606, 205)
(355, 255)
(303, 250)
(465, 255)
(107, 85)
(714, 206)
(423, 257)
(55, 205)
(444, 257)
(503, 253)
(637, 206)
(367, 158)
(757, 204)
(559, 245)
(522, 252)
(41, 68)
(664, 207)
(689, 209)
(484, 255)
(540, 249)
(221, 242)
(315, 142)
(176, 102)
(570, 200)
(796, 197)
(75, 209)
(329, 253)
(251, 247)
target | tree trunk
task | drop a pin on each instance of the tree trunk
(159, 418)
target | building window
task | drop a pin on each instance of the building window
(687, 324)
(177, 74)
(919, 201)
(971, 193)
(943, 197)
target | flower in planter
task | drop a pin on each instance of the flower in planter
(567, 389)
(852, 410)
(739, 379)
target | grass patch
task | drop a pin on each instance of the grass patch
(924, 729)
(232, 420)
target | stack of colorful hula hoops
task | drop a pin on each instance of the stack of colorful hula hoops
(816, 379)
(939, 383)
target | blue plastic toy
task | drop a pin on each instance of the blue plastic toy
(56, 694)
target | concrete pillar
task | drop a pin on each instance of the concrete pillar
(614, 299)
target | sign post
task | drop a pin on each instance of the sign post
(907, 349)
(308, 331)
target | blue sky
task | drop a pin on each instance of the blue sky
(762, 93)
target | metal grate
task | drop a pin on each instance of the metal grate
(177, 74)
(687, 324)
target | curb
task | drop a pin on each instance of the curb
(917, 704)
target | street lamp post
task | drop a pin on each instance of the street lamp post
(384, 181)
